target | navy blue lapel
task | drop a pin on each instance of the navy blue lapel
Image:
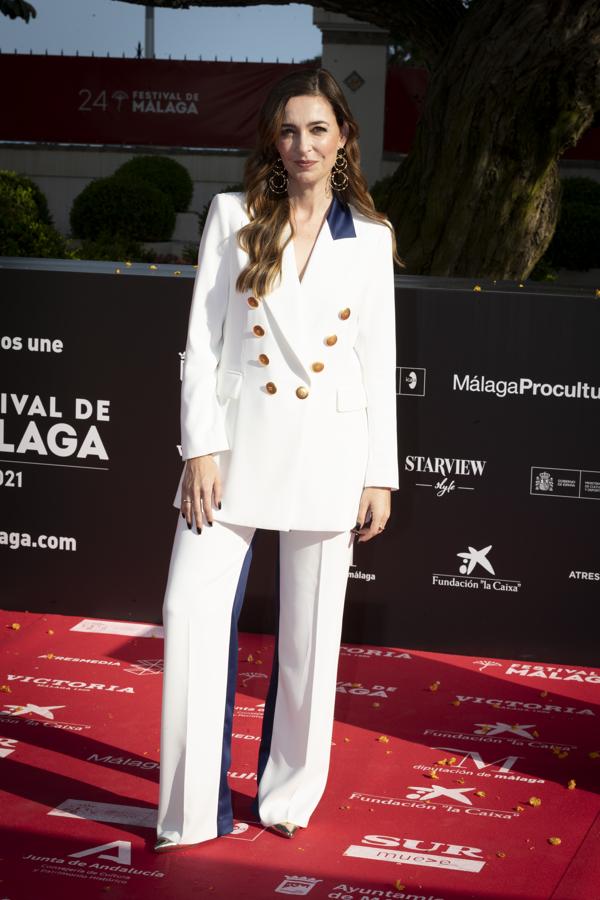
(339, 219)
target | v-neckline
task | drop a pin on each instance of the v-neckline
(301, 276)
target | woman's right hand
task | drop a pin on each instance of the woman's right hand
(201, 487)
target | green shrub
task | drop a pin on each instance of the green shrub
(22, 231)
(114, 247)
(163, 173)
(230, 189)
(576, 241)
(38, 196)
(124, 206)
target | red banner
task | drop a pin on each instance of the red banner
(87, 100)
(91, 100)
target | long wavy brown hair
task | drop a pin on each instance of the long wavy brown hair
(269, 213)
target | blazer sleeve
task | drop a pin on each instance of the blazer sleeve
(202, 421)
(376, 349)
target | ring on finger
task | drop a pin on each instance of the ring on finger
(187, 501)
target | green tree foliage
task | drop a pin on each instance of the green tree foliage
(17, 9)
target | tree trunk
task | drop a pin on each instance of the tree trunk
(478, 194)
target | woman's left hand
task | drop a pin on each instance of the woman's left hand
(373, 513)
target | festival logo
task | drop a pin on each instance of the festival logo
(473, 562)
(38, 427)
(553, 673)
(247, 677)
(443, 474)
(362, 690)
(410, 381)
(139, 101)
(484, 664)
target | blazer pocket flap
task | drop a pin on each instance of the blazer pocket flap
(351, 396)
(229, 384)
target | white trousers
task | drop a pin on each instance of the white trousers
(204, 591)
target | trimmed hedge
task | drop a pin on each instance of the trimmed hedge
(114, 247)
(24, 227)
(163, 173)
(122, 206)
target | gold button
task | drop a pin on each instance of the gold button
(258, 330)
(331, 340)
(317, 366)
(302, 393)
(271, 388)
(344, 313)
(264, 359)
(253, 302)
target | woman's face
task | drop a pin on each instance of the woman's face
(309, 139)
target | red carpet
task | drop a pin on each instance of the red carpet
(451, 777)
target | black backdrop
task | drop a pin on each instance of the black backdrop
(491, 466)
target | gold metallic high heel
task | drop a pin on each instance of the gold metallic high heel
(286, 829)
(164, 844)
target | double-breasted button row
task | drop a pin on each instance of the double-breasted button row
(331, 339)
(317, 366)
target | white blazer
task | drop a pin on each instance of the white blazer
(293, 394)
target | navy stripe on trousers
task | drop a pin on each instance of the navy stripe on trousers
(224, 809)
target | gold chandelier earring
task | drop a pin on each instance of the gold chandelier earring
(278, 177)
(338, 178)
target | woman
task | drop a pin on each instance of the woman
(288, 423)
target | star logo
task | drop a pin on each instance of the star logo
(44, 711)
(457, 795)
(475, 557)
(501, 727)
